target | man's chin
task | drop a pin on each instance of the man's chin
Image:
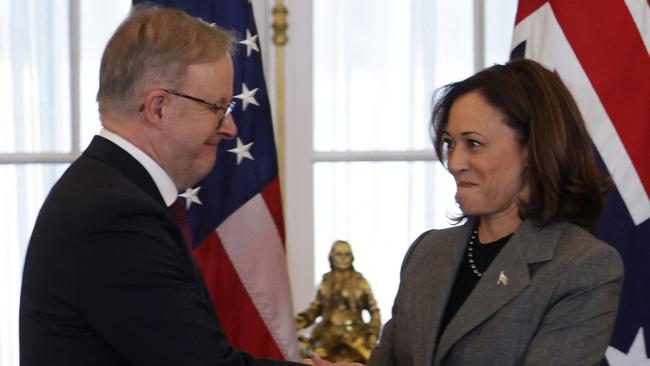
(205, 170)
(201, 170)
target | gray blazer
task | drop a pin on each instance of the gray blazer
(557, 308)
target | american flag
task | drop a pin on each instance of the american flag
(237, 229)
(601, 50)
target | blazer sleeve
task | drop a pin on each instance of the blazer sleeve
(137, 289)
(384, 353)
(577, 326)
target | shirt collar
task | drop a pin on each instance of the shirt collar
(163, 182)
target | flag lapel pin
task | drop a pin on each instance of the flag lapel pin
(503, 279)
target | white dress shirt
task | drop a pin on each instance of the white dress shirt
(165, 185)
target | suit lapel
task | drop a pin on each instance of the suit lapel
(104, 150)
(111, 154)
(528, 245)
(436, 284)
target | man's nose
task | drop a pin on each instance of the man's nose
(228, 128)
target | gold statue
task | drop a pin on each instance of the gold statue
(341, 334)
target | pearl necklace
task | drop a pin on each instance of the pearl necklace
(470, 253)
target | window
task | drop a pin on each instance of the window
(376, 182)
(49, 63)
(367, 159)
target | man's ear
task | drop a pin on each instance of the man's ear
(153, 106)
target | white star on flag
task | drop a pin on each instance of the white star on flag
(247, 96)
(635, 356)
(250, 42)
(191, 195)
(242, 151)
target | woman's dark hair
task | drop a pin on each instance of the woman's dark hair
(562, 174)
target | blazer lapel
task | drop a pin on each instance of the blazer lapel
(436, 284)
(528, 245)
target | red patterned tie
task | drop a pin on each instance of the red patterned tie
(179, 213)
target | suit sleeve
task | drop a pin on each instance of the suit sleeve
(577, 327)
(137, 289)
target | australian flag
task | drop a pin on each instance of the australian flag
(235, 213)
(601, 50)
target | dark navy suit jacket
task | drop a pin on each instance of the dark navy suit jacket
(108, 278)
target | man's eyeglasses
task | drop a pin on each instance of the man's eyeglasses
(213, 107)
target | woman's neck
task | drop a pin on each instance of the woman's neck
(495, 227)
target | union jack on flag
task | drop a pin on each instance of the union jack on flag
(235, 218)
(601, 50)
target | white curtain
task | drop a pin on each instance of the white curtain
(34, 118)
(37, 62)
(35, 76)
(376, 65)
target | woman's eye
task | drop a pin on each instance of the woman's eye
(473, 143)
(447, 144)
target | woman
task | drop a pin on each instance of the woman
(522, 281)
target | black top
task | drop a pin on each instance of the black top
(466, 279)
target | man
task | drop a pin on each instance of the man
(108, 277)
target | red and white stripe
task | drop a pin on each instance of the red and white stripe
(640, 12)
(246, 255)
(607, 72)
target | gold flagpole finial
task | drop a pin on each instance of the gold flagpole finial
(280, 39)
(280, 24)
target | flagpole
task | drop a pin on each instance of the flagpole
(280, 39)
(479, 35)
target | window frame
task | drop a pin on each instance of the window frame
(75, 111)
(300, 155)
